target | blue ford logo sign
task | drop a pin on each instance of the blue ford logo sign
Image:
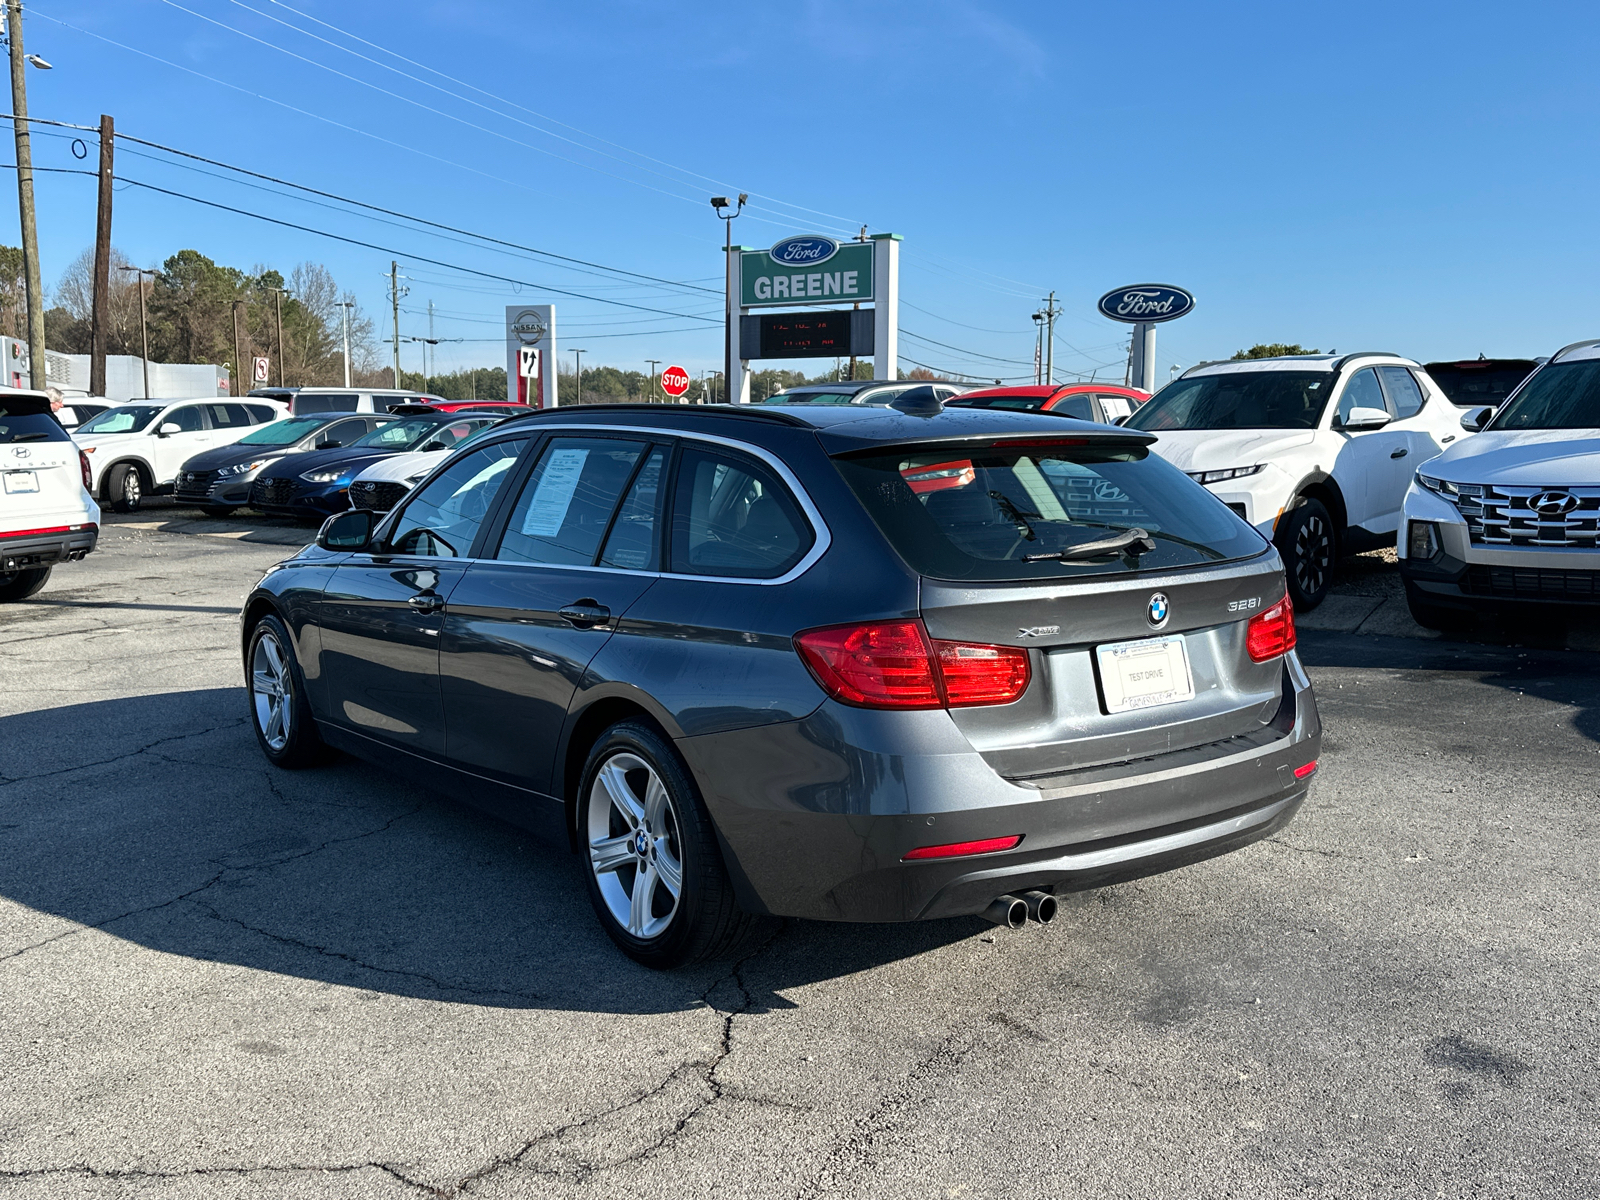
(1159, 610)
(807, 250)
(1146, 303)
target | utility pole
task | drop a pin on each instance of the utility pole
(1051, 312)
(238, 362)
(394, 299)
(432, 357)
(347, 305)
(653, 362)
(30, 228)
(100, 316)
(277, 303)
(578, 358)
(144, 330)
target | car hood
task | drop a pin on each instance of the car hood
(1523, 458)
(351, 457)
(403, 466)
(227, 456)
(1216, 449)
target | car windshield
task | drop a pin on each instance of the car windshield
(1004, 513)
(1471, 383)
(1023, 403)
(282, 433)
(1560, 396)
(398, 435)
(125, 418)
(1238, 400)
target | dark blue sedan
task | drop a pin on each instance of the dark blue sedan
(317, 483)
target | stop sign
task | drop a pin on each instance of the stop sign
(674, 381)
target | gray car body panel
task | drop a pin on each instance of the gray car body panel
(815, 801)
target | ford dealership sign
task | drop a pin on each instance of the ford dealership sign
(1146, 303)
(807, 250)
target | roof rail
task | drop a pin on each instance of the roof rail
(1215, 362)
(1344, 358)
(1556, 357)
(719, 410)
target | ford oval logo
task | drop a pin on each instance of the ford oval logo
(1146, 303)
(807, 250)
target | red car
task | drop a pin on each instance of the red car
(1101, 402)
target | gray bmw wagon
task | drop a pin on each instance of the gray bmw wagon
(840, 663)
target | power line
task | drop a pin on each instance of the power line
(1014, 362)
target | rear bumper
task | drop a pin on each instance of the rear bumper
(42, 549)
(815, 817)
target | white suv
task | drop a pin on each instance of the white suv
(1513, 514)
(1316, 451)
(46, 513)
(135, 449)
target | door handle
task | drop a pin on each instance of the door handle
(426, 602)
(584, 614)
(1400, 453)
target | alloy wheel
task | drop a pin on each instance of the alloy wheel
(271, 690)
(131, 489)
(1313, 555)
(635, 849)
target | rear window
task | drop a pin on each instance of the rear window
(1020, 403)
(1472, 383)
(967, 513)
(304, 405)
(19, 424)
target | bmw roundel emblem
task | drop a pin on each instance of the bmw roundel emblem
(1159, 610)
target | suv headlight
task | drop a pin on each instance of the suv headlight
(240, 469)
(1443, 486)
(328, 475)
(1225, 473)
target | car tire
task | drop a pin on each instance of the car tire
(125, 489)
(19, 585)
(279, 711)
(217, 510)
(1310, 547)
(1432, 615)
(634, 783)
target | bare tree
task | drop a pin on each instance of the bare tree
(74, 292)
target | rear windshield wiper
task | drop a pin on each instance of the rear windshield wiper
(1132, 541)
(1017, 516)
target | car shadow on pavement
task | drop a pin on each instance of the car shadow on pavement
(1568, 677)
(155, 820)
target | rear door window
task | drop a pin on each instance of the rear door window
(229, 416)
(732, 517)
(566, 506)
(261, 414)
(1017, 513)
(1405, 397)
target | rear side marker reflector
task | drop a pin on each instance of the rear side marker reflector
(1302, 772)
(962, 849)
(22, 533)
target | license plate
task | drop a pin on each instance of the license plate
(21, 481)
(1144, 673)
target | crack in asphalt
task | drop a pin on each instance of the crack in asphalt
(714, 1091)
(1312, 850)
(85, 1171)
(7, 780)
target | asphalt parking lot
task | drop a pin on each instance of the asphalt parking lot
(223, 980)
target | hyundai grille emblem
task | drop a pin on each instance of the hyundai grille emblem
(1159, 610)
(1553, 504)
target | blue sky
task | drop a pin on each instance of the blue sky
(1409, 177)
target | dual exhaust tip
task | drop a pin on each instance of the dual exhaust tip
(1016, 911)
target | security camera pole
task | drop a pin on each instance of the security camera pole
(719, 203)
(30, 228)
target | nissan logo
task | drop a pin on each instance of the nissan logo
(1553, 504)
(529, 327)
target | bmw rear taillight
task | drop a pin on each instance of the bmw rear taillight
(895, 664)
(88, 475)
(1271, 633)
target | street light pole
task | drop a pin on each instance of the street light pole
(144, 332)
(578, 358)
(347, 305)
(277, 303)
(719, 203)
(30, 227)
(654, 362)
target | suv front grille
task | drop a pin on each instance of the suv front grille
(1521, 583)
(272, 491)
(1500, 515)
(376, 495)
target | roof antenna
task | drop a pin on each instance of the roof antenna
(926, 405)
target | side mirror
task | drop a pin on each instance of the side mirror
(1122, 420)
(168, 428)
(351, 530)
(1475, 419)
(435, 445)
(1362, 419)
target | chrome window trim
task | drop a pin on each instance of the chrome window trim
(822, 536)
